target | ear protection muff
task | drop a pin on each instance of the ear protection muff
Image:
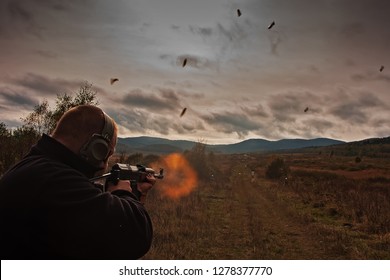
(98, 146)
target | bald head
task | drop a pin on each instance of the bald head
(79, 124)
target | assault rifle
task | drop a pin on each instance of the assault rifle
(133, 173)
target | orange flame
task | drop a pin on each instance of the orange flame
(180, 179)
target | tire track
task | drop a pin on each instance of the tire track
(275, 230)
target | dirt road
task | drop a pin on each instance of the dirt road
(250, 222)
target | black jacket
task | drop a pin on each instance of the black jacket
(50, 210)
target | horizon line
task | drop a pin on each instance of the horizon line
(205, 142)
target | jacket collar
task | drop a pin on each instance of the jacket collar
(57, 151)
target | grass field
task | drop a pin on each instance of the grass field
(324, 208)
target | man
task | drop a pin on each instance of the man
(50, 210)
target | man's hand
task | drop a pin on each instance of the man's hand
(122, 185)
(146, 186)
(143, 187)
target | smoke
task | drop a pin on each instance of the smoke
(275, 38)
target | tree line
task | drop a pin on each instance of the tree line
(15, 143)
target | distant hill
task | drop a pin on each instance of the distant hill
(154, 145)
(371, 147)
(375, 141)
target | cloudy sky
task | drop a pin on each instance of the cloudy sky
(241, 80)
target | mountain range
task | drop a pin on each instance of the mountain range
(155, 145)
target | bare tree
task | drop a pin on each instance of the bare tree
(15, 144)
(43, 119)
(39, 118)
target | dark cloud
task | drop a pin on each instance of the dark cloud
(191, 95)
(18, 12)
(44, 85)
(230, 122)
(350, 62)
(59, 5)
(170, 96)
(235, 32)
(374, 11)
(232, 35)
(232, 32)
(203, 31)
(139, 120)
(350, 112)
(318, 126)
(356, 108)
(175, 27)
(48, 19)
(369, 100)
(13, 99)
(288, 103)
(167, 100)
(287, 106)
(38, 83)
(380, 122)
(28, 17)
(256, 111)
(313, 69)
(165, 126)
(364, 22)
(342, 23)
(160, 124)
(191, 127)
(133, 119)
(16, 17)
(349, 105)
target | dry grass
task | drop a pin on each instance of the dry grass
(318, 213)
